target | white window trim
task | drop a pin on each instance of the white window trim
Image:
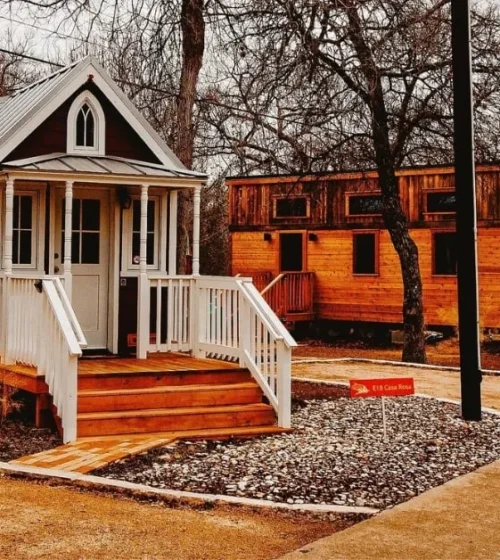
(99, 148)
(38, 239)
(127, 264)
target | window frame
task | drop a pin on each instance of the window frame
(433, 253)
(426, 192)
(276, 197)
(349, 195)
(35, 218)
(376, 256)
(99, 147)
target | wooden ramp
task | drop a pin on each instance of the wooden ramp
(88, 454)
(165, 393)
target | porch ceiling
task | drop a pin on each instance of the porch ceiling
(113, 169)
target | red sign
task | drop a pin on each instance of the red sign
(392, 387)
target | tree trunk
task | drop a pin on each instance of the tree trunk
(394, 217)
(397, 225)
(193, 46)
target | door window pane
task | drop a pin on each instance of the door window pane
(85, 236)
(91, 215)
(90, 248)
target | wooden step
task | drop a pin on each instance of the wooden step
(146, 379)
(174, 419)
(169, 397)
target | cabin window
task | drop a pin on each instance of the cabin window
(365, 252)
(23, 232)
(86, 125)
(444, 253)
(85, 128)
(364, 205)
(136, 232)
(291, 207)
(441, 202)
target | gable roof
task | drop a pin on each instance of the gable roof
(27, 108)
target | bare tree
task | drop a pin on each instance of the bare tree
(315, 85)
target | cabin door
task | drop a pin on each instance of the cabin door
(291, 252)
(90, 260)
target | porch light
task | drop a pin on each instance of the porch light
(267, 237)
(313, 237)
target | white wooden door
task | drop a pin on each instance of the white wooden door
(90, 260)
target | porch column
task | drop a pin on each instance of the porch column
(143, 287)
(172, 235)
(7, 268)
(68, 236)
(9, 221)
(196, 230)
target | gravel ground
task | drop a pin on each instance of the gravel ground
(336, 455)
(18, 439)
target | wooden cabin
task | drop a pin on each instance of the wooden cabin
(88, 222)
(317, 248)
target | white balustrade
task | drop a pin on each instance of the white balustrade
(225, 318)
(43, 332)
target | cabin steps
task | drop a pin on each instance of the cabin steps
(146, 379)
(174, 419)
(145, 402)
(168, 397)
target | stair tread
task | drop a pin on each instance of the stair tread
(176, 372)
(157, 412)
(166, 389)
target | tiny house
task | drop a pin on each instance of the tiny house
(88, 222)
(317, 248)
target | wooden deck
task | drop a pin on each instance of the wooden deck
(164, 393)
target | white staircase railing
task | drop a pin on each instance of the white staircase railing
(225, 318)
(40, 329)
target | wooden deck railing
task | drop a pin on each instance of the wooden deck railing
(40, 329)
(224, 318)
(291, 293)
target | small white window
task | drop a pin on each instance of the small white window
(86, 126)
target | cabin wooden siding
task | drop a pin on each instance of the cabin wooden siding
(51, 136)
(342, 295)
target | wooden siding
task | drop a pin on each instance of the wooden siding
(251, 200)
(341, 295)
(50, 136)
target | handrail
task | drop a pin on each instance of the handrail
(272, 283)
(268, 314)
(70, 313)
(61, 316)
(41, 330)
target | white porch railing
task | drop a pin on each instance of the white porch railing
(40, 329)
(224, 318)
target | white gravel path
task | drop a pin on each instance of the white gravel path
(336, 455)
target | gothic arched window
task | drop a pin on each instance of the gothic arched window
(85, 127)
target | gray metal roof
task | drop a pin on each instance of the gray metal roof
(22, 102)
(107, 165)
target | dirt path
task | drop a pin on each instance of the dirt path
(41, 521)
(432, 382)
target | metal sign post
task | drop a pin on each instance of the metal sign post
(468, 312)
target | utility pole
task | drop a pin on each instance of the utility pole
(467, 278)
